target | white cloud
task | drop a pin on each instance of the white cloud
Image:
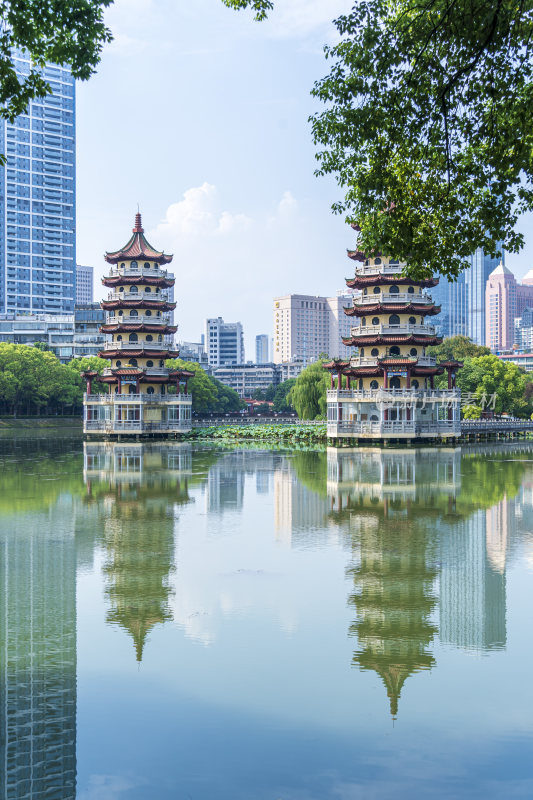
(300, 18)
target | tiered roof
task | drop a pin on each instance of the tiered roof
(138, 247)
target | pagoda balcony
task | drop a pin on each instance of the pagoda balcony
(151, 296)
(398, 429)
(373, 361)
(387, 396)
(140, 426)
(143, 397)
(142, 319)
(380, 269)
(404, 328)
(386, 297)
(137, 346)
(154, 272)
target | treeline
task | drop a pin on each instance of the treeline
(33, 382)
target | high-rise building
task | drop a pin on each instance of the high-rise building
(451, 297)
(339, 324)
(38, 200)
(261, 349)
(84, 285)
(505, 301)
(476, 277)
(224, 342)
(523, 330)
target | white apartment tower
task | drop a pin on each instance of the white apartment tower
(306, 326)
(84, 285)
(224, 342)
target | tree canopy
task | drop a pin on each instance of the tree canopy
(428, 127)
(65, 32)
(208, 394)
(457, 348)
(308, 395)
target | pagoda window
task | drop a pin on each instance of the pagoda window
(146, 265)
(149, 338)
(131, 389)
(375, 352)
(377, 290)
(362, 351)
(163, 389)
(374, 385)
(148, 313)
(122, 265)
(375, 321)
(132, 362)
(134, 313)
(161, 363)
(365, 291)
(159, 338)
(133, 290)
(149, 363)
(120, 313)
(377, 261)
(411, 290)
(119, 338)
(394, 351)
(394, 261)
(121, 289)
(150, 390)
(415, 384)
(134, 265)
(394, 290)
(412, 320)
(360, 384)
(133, 337)
(118, 363)
(413, 351)
(363, 321)
(395, 383)
(394, 319)
(147, 289)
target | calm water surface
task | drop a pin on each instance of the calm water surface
(250, 624)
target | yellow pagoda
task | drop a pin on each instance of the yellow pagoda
(139, 340)
(386, 390)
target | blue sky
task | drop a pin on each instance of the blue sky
(199, 114)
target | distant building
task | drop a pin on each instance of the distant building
(452, 299)
(261, 349)
(38, 200)
(476, 277)
(523, 330)
(88, 340)
(195, 352)
(224, 342)
(84, 285)
(290, 369)
(505, 301)
(523, 360)
(68, 336)
(306, 326)
(248, 378)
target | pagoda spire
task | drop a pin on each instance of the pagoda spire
(138, 228)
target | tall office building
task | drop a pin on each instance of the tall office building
(84, 285)
(224, 342)
(38, 201)
(261, 349)
(451, 297)
(476, 277)
(505, 301)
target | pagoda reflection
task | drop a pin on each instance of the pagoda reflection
(136, 488)
(389, 498)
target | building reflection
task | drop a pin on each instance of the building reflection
(387, 497)
(419, 538)
(136, 488)
(38, 652)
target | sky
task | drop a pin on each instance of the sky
(199, 114)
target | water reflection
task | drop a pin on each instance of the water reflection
(135, 488)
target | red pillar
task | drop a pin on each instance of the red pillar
(89, 385)
(408, 384)
(348, 382)
(119, 386)
(450, 379)
(331, 380)
(432, 382)
(385, 379)
(137, 385)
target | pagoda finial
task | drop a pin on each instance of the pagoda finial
(138, 223)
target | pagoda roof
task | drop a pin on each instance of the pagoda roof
(361, 341)
(138, 247)
(451, 363)
(134, 280)
(125, 327)
(181, 373)
(360, 281)
(383, 308)
(128, 372)
(358, 255)
(336, 365)
(397, 362)
(110, 305)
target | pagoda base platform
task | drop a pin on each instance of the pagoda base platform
(137, 415)
(400, 414)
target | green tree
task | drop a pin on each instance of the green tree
(281, 402)
(226, 400)
(66, 32)
(308, 395)
(258, 394)
(428, 117)
(201, 386)
(457, 348)
(495, 384)
(471, 412)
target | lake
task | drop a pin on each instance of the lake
(226, 623)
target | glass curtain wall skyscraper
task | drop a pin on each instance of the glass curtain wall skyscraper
(451, 297)
(476, 277)
(38, 200)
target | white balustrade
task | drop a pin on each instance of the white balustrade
(403, 328)
(154, 272)
(140, 319)
(151, 296)
(141, 345)
(400, 297)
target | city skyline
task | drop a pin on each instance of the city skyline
(213, 207)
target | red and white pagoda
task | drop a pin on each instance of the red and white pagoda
(387, 389)
(139, 340)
